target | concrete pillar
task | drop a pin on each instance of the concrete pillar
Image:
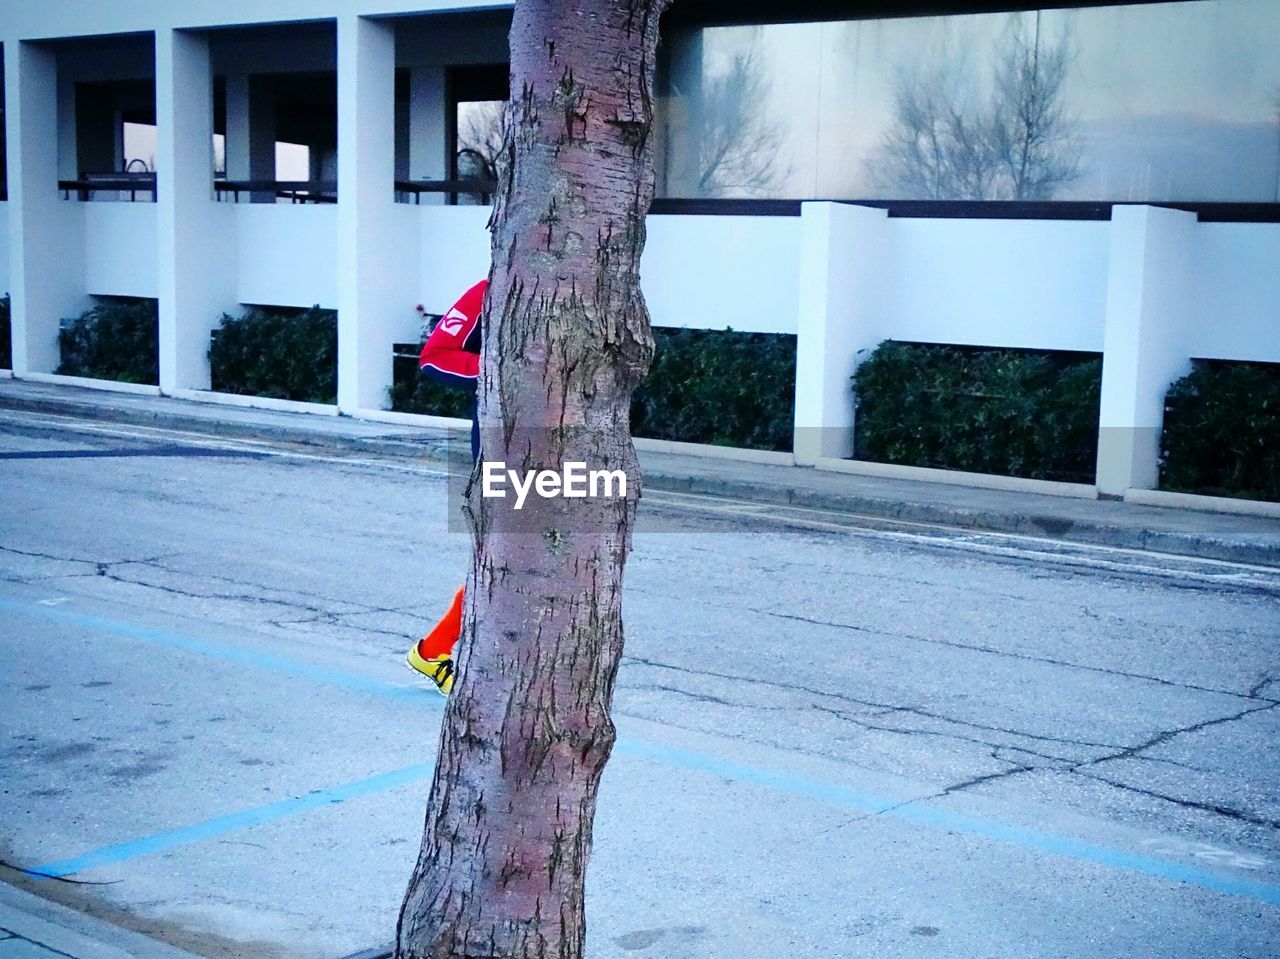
(68, 164)
(46, 233)
(251, 132)
(377, 244)
(428, 139)
(843, 261)
(1149, 305)
(196, 236)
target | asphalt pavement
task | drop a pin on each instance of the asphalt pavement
(843, 733)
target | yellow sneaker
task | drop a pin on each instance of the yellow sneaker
(439, 669)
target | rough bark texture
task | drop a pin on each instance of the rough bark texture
(527, 730)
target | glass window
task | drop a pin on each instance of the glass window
(1165, 101)
(479, 126)
(139, 147)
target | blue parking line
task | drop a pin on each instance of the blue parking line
(921, 814)
(245, 819)
(231, 654)
(935, 817)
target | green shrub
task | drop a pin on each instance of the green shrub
(705, 386)
(1010, 412)
(6, 333)
(116, 340)
(287, 354)
(721, 387)
(411, 392)
(1222, 431)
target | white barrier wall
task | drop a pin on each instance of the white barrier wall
(120, 249)
(1035, 284)
(700, 272)
(712, 272)
(287, 254)
(454, 253)
(1150, 290)
(1236, 292)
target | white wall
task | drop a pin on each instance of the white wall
(1036, 284)
(454, 245)
(120, 249)
(701, 272)
(709, 272)
(1237, 292)
(287, 254)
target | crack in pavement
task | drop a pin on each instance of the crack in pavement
(1124, 674)
(1160, 738)
(1255, 691)
(1227, 812)
(1055, 763)
(290, 599)
(857, 721)
(913, 710)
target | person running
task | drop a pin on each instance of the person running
(451, 357)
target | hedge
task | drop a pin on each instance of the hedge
(6, 332)
(705, 386)
(721, 387)
(411, 392)
(1009, 412)
(288, 354)
(1222, 431)
(116, 340)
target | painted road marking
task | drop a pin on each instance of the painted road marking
(921, 814)
(231, 654)
(244, 819)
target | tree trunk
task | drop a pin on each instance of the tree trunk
(527, 730)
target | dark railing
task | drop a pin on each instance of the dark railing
(455, 188)
(295, 191)
(974, 209)
(91, 183)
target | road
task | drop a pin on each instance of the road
(839, 737)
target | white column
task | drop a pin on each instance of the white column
(377, 246)
(237, 129)
(46, 234)
(196, 236)
(1149, 306)
(251, 132)
(842, 266)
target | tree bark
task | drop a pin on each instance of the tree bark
(527, 731)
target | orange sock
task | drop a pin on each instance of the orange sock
(441, 640)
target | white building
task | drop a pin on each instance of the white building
(790, 201)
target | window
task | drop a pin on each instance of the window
(1148, 102)
(478, 96)
(139, 147)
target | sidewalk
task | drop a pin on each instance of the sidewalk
(35, 928)
(1207, 535)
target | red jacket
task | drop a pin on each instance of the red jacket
(451, 354)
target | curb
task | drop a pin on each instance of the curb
(50, 928)
(1029, 524)
(424, 444)
(431, 444)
